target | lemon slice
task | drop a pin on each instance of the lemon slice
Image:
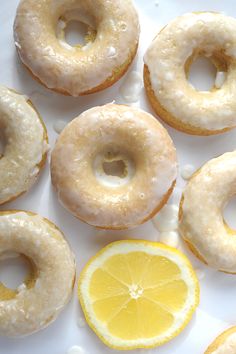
(138, 294)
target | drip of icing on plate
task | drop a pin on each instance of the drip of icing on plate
(167, 218)
(187, 171)
(170, 238)
(81, 322)
(59, 125)
(200, 273)
(132, 87)
(75, 350)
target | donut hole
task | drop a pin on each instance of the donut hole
(78, 34)
(17, 273)
(113, 168)
(75, 33)
(229, 214)
(207, 72)
(202, 74)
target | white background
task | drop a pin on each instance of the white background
(217, 309)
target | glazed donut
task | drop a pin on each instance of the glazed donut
(114, 166)
(112, 42)
(224, 343)
(167, 63)
(26, 145)
(201, 222)
(39, 300)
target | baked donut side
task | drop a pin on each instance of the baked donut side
(26, 144)
(167, 62)
(128, 139)
(115, 76)
(48, 287)
(201, 223)
(76, 70)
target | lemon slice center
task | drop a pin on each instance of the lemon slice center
(135, 291)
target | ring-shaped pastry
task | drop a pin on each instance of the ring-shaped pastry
(48, 288)
(201, 221)
(26, 144)
(112, 42)
(114, 166)
(167, 63)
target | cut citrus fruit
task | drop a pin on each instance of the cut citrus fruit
(138, 294)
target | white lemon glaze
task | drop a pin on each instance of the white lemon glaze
(81, 322)
(167, 55)
(187, 171)
(167, 219)
(72, 69)
(170, 238)
(131, 89)
(126, 133)
(76, 350)
(200, 273)
(34, 308)
(59, 125)
(202, 223)
(26, 144)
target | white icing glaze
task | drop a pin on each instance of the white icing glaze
(34, 308)
(170, 238)
(220, 79)
(168, 53)
(26, 144)
(75, 350)
(21, 287)
(202, 223)
(59, 125)
(17, 45)
(167, 218)
(132, 87)
(111, 52)
(72, 69)
(200, 273)
(228, 346)
(46, 146)
(66, 46)
(81, 322)
(187, 171)
(125, 132)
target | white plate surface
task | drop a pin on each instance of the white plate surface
(218, 291)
